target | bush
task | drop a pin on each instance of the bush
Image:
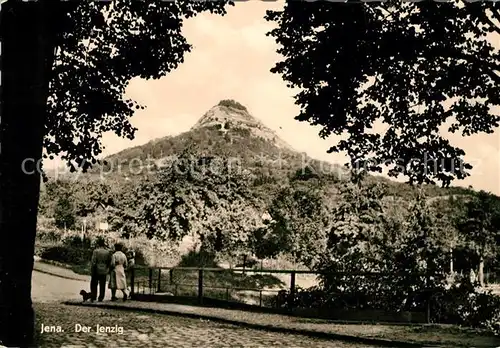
(232, 104)
(304, 174)
(73, 250)
(460, 304)
(48, 236)
(198, 259)
(68, 255)
(77, 242)
(463, 304)
(153, 252)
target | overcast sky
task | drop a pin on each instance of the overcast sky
(230, 59)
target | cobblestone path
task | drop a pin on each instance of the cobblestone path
(156, 330)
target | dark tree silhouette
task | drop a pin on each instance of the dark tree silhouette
(65, 67)
(414, 67)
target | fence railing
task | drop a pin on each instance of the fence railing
(258, 287)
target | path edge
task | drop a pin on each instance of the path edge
(55, 274)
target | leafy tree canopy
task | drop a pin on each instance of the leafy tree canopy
(298, 222)
(203, 196)
(64, 213)
(411, 67)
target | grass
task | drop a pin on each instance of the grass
(81, 269)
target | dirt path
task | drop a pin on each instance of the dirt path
(46, 288)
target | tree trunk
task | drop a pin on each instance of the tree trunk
(27, 57)
(451, 261)
(480, 273)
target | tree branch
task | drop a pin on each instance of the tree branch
(492, 24)
(492, 69)
(496, 14)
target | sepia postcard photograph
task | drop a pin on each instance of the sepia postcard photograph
(213, 173)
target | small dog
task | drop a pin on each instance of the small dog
(85, 295)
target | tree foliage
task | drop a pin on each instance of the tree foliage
(64, 213)
(355, 222)
(414, 68)
(480, 224)
(92, 196)
(374, 233)
(425, 247)
(203, 196)
(86, 196)
(298, 220)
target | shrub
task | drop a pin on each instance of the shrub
(464, 304)
(67, 255)
(48, 236)
(152, 252)
(73, 250)
(304, 174)
(44, 223)
(244, 132)
(198, 259)
(232, 104)
(99, 239)
(458, 304)
(73, 241)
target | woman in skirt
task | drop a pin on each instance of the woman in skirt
(117, 279)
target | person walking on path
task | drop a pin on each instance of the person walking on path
(117, 279)
(101, 258)
(131, 263)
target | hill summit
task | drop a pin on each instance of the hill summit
(226, 130)
(230, 113)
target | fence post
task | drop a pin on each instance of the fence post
(200, 286)
(428, 311)
(132, 281)
(171, 276)
(159, 279)
(150, 279)
(291, 300)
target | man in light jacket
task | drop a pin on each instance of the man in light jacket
(101, 259)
